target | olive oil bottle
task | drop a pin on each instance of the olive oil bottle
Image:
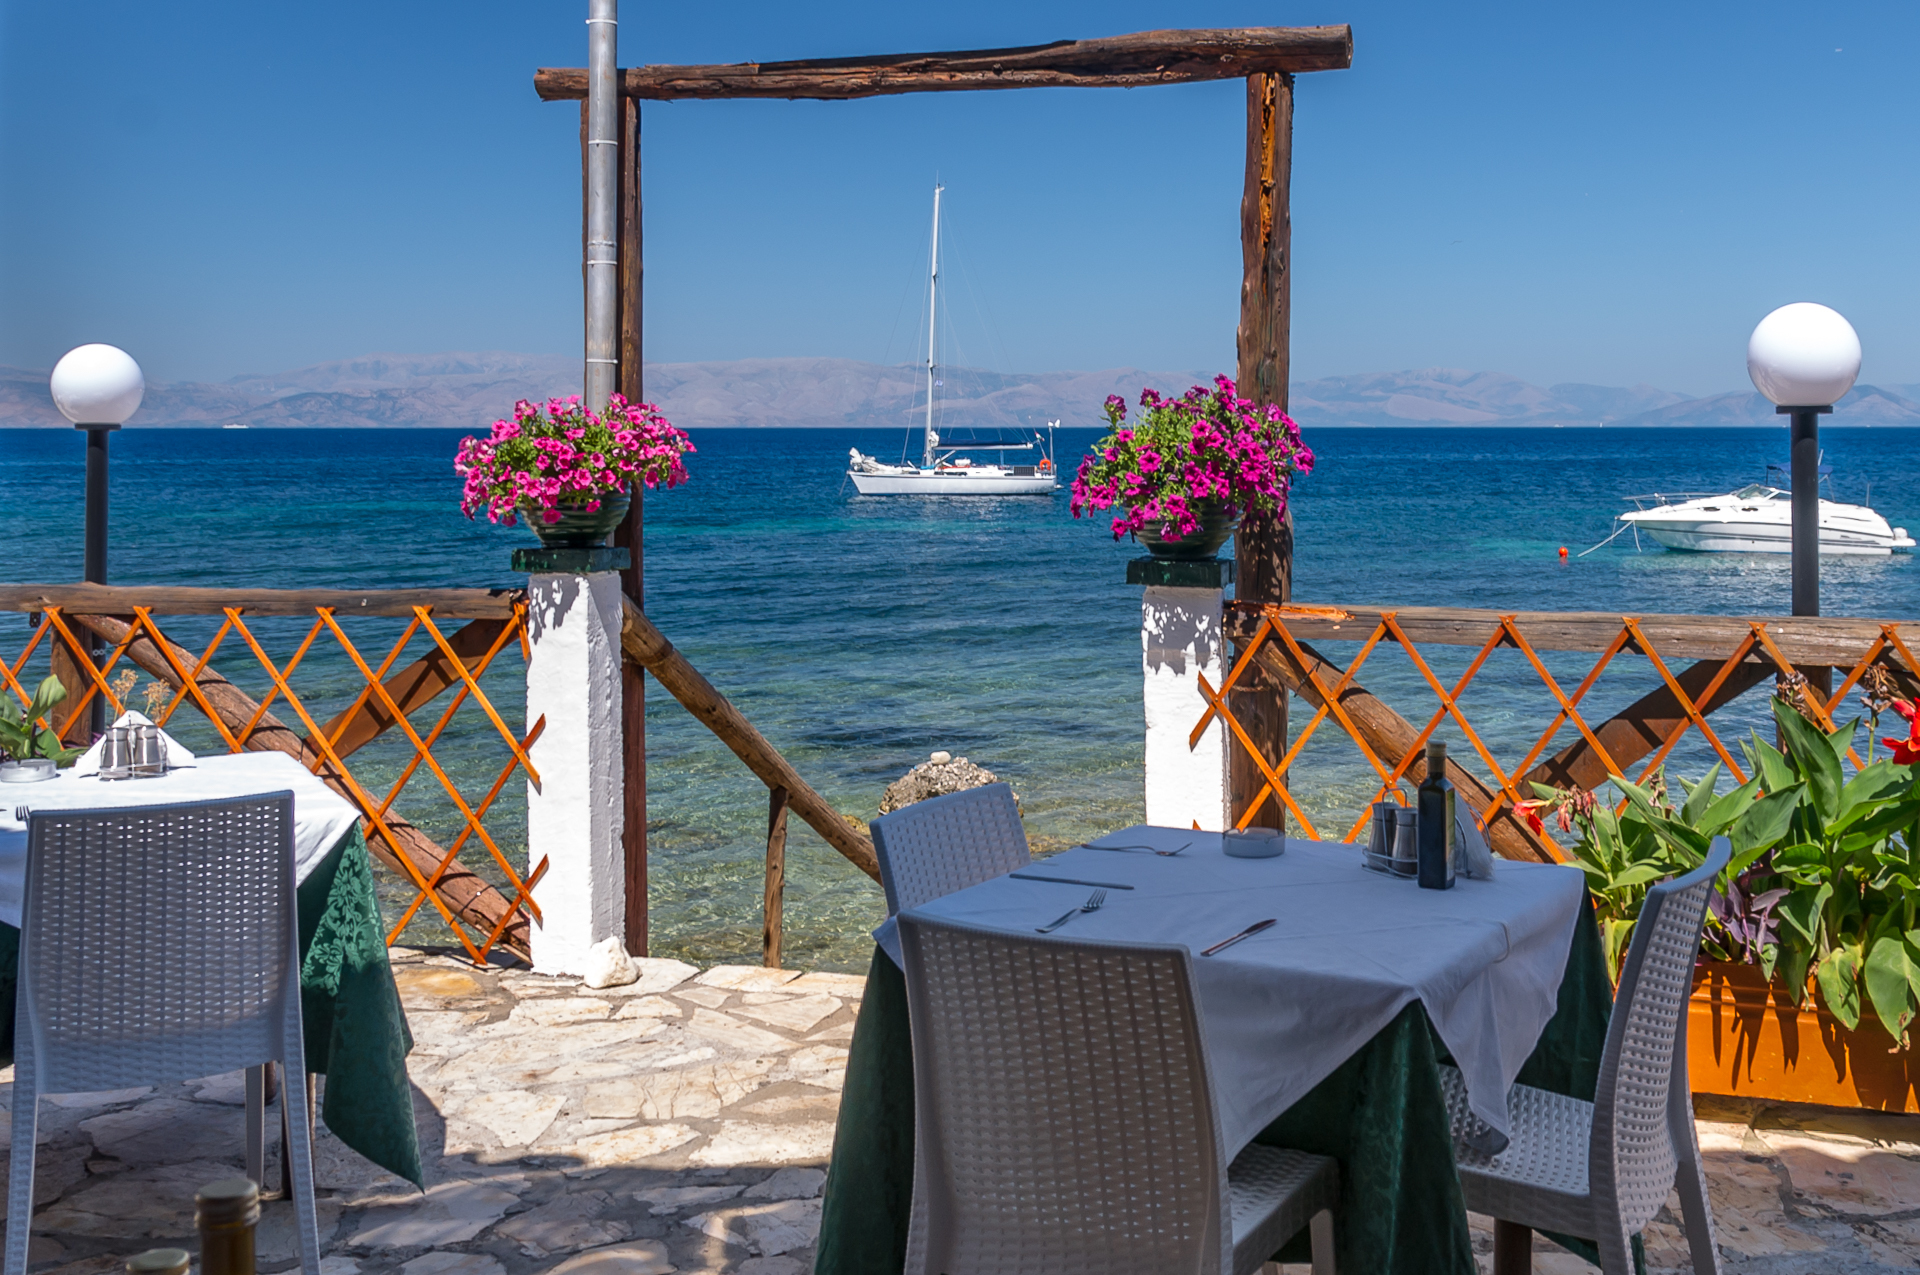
(1434, 800)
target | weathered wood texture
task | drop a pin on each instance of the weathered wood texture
(114, 599)
(1637, 730)
(1263, 547)
(774, 900)
(1121, 61)
(1824, 640)
(1391, 737)
(633, 682)
(645, 643)
(465, 893)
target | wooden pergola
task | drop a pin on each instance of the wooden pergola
(1268, 58)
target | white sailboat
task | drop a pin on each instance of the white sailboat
(942, 471)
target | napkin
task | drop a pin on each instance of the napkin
(177, 756)
(1470, 839)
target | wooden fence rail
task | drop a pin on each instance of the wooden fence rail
(1729, 655)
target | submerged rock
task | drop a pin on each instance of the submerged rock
(936, 777)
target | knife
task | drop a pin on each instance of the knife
(1104, 885)
(1249, 932)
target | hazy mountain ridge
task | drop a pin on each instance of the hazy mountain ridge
(469, 390)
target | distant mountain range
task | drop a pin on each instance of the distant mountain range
(471, 390)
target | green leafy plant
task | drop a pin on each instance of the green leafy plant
(1824, 880)
(21, 734)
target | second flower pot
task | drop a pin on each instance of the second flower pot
(1217, 524)
(577, 527)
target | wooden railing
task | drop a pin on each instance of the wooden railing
(1696, 664)
(88, 636)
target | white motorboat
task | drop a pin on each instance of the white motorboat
(1758, 518)
(942, 471)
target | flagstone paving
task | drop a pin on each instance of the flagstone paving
(683, 1123)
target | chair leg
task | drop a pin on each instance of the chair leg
(1320, 1235)
(257, 1126)
(1696, 1210)
(1512, 1248)
(26, 1118)
(297, 1153)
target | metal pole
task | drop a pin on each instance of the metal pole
(1806, 521)
(603, 188)
(94, 564)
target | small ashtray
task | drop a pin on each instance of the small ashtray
(30, 771)
(1254, 843)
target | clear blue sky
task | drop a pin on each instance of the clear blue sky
(1606, 193)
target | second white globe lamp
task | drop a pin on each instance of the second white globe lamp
(1804, 355)
(97, 385)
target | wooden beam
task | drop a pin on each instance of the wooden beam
(465, 893)
(111, 599)
(633, 681)
(645, 643)
(1820, 640)
(1263, 546)
(1121, 61)
(773, 903)
(1640, 728)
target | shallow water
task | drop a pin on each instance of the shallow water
(860, 634)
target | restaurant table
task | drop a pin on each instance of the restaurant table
(354, 1027)
(1324, 1032)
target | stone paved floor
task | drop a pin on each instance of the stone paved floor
(683, 1124)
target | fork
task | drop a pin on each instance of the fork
(1092, 904)
(1130, 848)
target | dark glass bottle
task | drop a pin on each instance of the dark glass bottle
(1435, 800)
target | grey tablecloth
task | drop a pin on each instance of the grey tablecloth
(1352, 949)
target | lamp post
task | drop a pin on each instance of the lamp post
(97, 387)
(1804, 357)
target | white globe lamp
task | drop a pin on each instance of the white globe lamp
(97, 385)
(1805, 357)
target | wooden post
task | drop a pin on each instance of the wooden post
(631, 384)
(1263, 547)
(774, 904)
(74, 725)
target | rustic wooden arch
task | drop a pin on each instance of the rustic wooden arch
(1266, 57)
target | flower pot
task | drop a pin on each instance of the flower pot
(1746, 1039)
(578, 527)
(29, 771)
(1203, 542)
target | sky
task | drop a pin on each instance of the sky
(1611, 194)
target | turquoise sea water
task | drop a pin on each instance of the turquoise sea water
(860, 634)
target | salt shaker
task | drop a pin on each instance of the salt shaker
(116, 754)
(149, 751)
(1406, 840)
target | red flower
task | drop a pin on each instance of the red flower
(1530, 811)
(1906, 751)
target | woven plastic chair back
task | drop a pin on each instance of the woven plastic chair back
(159, 942)
(1633, 1159)
(943, 844)
(1064, 1113)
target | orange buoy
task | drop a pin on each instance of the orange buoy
(1563, 551)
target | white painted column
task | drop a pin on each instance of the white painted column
(1180, 639)
(575, 814)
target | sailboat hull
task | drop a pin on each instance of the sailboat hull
(953, 482)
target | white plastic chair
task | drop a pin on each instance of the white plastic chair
(943, 844)
(1064, 1121)
(1600, 1170)
(157, 944)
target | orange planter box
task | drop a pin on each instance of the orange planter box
(1745, 1040)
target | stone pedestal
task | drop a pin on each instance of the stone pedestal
(575, 813)
(1180, 639)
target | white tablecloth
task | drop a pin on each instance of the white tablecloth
(1283, 1009)
(320, 815)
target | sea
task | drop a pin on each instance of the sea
(861, 634)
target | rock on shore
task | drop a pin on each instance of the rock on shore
(939, 775)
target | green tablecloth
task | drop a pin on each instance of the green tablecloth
(1381, 1115)
(356, 1033)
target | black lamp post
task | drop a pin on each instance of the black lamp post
(1805, 357)
(97, 387)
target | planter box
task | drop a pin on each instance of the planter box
(1745, 1040)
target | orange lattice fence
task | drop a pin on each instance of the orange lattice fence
(342, 696)
(1719, 657)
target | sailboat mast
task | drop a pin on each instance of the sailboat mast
(933, 309)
